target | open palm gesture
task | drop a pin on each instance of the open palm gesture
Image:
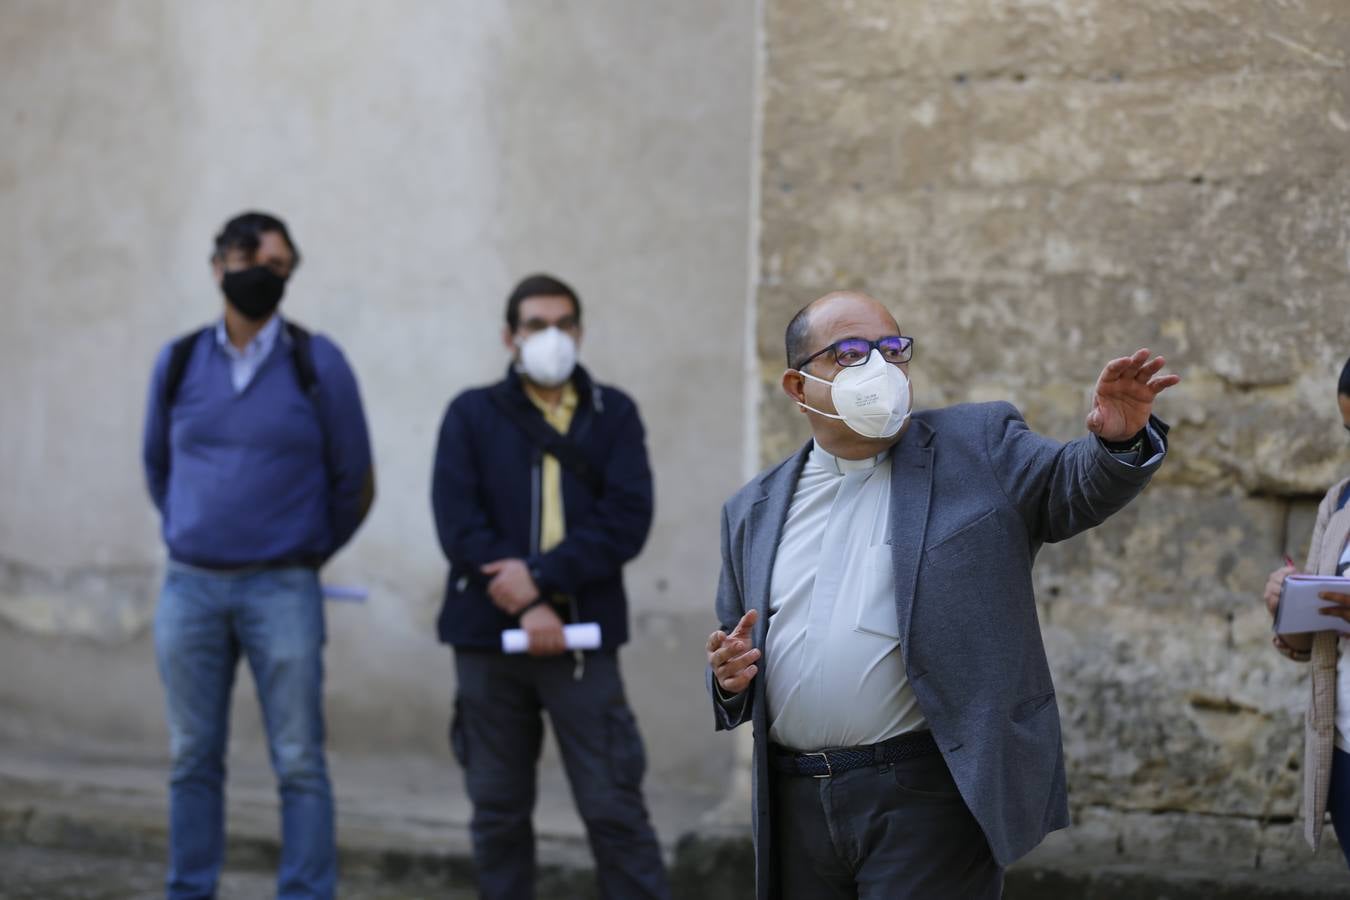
(1123, 398)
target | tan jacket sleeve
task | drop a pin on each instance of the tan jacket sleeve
(1311, 562)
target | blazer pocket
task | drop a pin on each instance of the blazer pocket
(876, 586)
(965, 536)
(1032, 705)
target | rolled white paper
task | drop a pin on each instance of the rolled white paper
(581, 636)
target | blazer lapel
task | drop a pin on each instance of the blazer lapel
(911, 490)
(764, 528)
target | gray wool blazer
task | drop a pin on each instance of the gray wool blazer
(976, 494)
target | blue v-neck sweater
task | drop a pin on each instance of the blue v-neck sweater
(261, 476)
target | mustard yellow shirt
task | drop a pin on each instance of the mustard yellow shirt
(552, 526)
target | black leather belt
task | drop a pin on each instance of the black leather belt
(289, 562)
(824, 763)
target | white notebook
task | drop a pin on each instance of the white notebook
(1300, 607)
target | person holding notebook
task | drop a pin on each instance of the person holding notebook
(1326, 751)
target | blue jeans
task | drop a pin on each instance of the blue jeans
(1338, 799)
(275, 617)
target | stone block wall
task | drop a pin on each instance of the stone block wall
(1036, 187)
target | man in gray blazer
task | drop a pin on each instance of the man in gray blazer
(878, 625)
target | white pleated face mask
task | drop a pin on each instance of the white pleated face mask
(548, 357)
(874, 399)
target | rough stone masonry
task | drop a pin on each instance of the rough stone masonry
(1034, 187)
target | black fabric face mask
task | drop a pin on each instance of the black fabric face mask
(254, 292)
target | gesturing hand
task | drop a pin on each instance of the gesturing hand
(732, 657)
(511, 588)
(1123, 398)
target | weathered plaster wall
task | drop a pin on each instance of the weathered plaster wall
(426, 155)
(1033, 188)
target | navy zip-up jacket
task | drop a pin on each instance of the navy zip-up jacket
(485, 495)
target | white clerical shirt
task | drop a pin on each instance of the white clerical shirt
(835, 675)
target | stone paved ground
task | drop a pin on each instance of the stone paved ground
(42, 873)
(45, 873)
(77, 825)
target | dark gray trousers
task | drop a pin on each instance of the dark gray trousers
(899, 831)
(496, 735)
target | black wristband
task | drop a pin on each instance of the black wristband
(1130, 445)
(541, 600)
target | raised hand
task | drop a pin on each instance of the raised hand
(732, 656)
(1123, 398)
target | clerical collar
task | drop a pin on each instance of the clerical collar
(831, 463)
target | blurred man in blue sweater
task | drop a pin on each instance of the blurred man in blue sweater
(541, 493)
(257, 457)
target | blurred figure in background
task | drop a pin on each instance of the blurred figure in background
(541, 493)
(256, 455)
(1326, 750)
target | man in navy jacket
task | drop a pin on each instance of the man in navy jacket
(541, 493)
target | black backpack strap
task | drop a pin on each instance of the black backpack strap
(547, 438)
(302, 355)
(302, 352)
(1344, 498)
(179, 354)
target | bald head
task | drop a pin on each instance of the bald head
(818, 328)
(828, 315)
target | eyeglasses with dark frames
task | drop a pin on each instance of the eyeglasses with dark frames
(895, 348)
(570, 324)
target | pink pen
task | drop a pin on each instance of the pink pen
(1289, 562)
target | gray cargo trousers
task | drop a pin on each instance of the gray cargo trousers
(496, 734)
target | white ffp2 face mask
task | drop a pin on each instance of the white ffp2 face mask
(548, 357)
(874, 399)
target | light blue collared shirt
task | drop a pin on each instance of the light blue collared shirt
(244, 364)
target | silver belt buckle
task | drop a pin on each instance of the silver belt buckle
(829, 770)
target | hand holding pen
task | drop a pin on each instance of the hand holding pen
(1275, 584)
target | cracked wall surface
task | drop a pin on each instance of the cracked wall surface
(1034, 188)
